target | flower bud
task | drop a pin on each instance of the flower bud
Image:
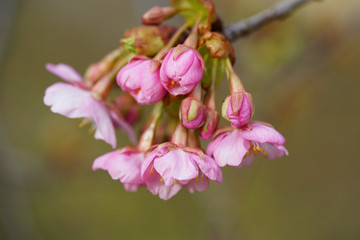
(181, 70)
(218, 45)
(147, 40)
(238, 108)
(141, 79)
(157, 15)
(211, 124)
(192, 113)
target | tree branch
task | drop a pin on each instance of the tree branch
(277, 12)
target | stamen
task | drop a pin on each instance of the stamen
(172, 83)
(196, 179)
(202, 176)
(92, 130)
(161, 179)
(84, 122)
(255, 147)
(175, 182)
(151, 171)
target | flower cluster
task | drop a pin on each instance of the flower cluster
(177, 70)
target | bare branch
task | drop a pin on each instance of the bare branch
(277, 12)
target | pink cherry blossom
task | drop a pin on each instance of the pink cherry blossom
(140, 77)
(123, 165)
(192, 113)
(169, 167)
(74, 100)
(181, 70)
(238, 146)
(238, 108)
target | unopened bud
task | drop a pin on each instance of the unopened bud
(238, 108)
(217, 44)
(147, 40)
(210, 125)
(192, 113)
(156, 15)
(189, 67)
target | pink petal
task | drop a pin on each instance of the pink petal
(215, 143)
(102, 162)
(194, 74)
(200, 185)
(151, 90)
(273, 151)
(65, 72)
(181, 65)
(148, 161)
(243, 115)
(131, 187)
(156, 186)
(176, 165)
(262, 133)
(126, 167)
(231, 150)
(133, 70)
(248, 159)
(68, 100)
(209, 167)
(167, 192)
(104, 126)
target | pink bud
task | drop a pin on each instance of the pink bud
(210, 125)
(157, 15)
(140, 77)
(238, 108)
(192, 113)
(181, 70)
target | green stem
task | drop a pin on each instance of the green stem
(210, 100)
(173, 40)
(147, 137)
(235, 83)
(104, 85)
(179, 135)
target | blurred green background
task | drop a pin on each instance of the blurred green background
(304, 76)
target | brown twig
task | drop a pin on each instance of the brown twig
(277, 12)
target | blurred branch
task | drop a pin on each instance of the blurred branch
(249, 25)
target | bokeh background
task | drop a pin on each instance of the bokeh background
(303, 73)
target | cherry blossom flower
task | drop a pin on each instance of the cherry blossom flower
(192, 113)
(75, 100)
(238, 146)
(238, 108)
(168, 167)
(140, 77)
(181, 70)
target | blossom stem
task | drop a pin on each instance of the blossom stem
(235, 83)
(173, 40)
(147, 137)
(192, 39)
(179, 135)
(210, 100)
(196, 93)
(104, 85)
(193, 139)
(103, 66)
